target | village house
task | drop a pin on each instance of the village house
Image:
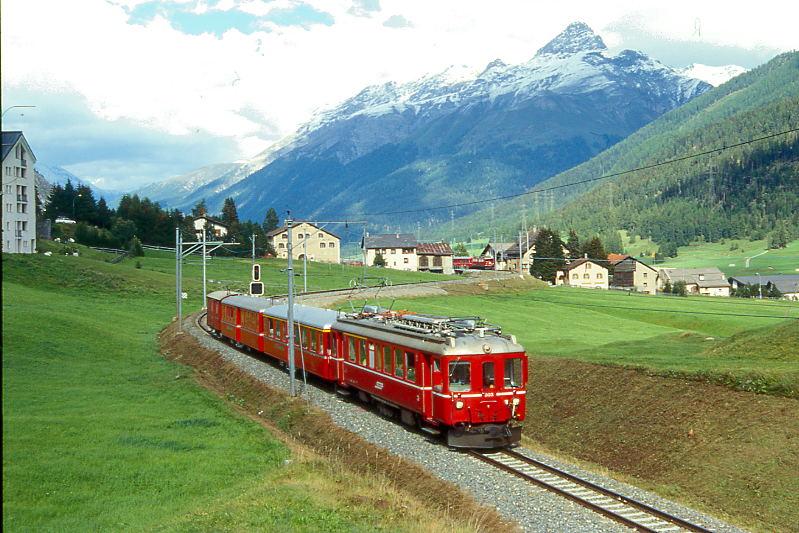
(214, 229)
(583, 273)
(306, 239)
(19, 195)
(398, 250)
(435, 257)
(496, 251)
(523, 250)
(708, 281)
(787, 284)
(633, 275)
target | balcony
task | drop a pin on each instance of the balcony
(22, 198)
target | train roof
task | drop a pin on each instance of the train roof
(218, 295)
(477, 342)
(309, 316)
(251, 303)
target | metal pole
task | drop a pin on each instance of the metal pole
(180, 280)
(305, 264)
(759, 286)
(253, 248)
(520, 253)
(204, 278)
(177, 276)
(290, 313)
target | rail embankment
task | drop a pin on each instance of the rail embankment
(731, 452)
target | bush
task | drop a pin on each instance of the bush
(138, 264)
(135, 248)
(679, 288)
(379, 261)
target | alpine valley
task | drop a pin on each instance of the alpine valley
(450, 137)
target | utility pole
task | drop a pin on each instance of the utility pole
(204, 233)
(759, 286)
(520, 253)
(253, 248)
(178, 284)
(290, 312)
(304, 264)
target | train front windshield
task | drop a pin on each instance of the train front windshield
(513, 373)
(459, 376)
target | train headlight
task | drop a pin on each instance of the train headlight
(459, 405)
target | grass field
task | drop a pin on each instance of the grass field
(663, 334)
(733, 262)
(101, 433)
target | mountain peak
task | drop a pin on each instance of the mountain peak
(577, 37)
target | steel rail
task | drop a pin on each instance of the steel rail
(628, 511)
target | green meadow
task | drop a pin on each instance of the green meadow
(730, 257)
(100, 432)
(664, 334)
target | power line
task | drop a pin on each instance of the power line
(588, 180)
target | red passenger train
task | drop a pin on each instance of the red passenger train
(458, 376)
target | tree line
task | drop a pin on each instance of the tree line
(140, 220)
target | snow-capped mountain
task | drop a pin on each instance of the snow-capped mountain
(186, 190)
(462, 133)
(50, 175)
(715, 76)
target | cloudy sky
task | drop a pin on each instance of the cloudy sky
(129, 92)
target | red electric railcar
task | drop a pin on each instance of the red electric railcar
(458, 376)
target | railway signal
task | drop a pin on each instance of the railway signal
(256, 286)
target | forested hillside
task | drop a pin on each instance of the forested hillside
(746, 191)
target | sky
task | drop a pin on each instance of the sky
(129, 92)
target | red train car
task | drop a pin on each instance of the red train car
(457, 376)
(473, 263)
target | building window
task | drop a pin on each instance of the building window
(321, 235)
(586, 276)
(321, 245)
(599, 275)
(285, 236)
(279, 245)
(588, 265)
(645, 284)
(701, 277)
(575, 276)
(406, 260)
(393, 250)
(644, 274)
(331, 245)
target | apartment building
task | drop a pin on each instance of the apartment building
(19, 195)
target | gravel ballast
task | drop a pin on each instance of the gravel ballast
(535, 509)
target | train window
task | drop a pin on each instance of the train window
(386, 359)
(410, 364)
(459, 376)
(313, 341)
(488, 375)
(271, 325)
(351, 346)
(513, 372)
(362, 350)
(333, 348)
(399, 371)
(371, 355)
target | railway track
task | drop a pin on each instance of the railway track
(634, 514)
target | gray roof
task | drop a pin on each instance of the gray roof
(309, 316)
(462, 344)
(281, 229)
(711, 276)
(391, 240)
(10, 138)
(785, 283)
(253, 303)
(218, 295)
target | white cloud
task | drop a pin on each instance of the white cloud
(254, 88)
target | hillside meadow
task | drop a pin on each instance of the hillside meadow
(101, 432)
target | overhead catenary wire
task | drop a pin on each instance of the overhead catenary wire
(584, 181)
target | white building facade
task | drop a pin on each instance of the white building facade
(19, 195)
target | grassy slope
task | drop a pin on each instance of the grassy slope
(665, 334)
(100, 432)
(734, 454)
(733, 262)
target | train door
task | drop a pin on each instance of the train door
(441, 403)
